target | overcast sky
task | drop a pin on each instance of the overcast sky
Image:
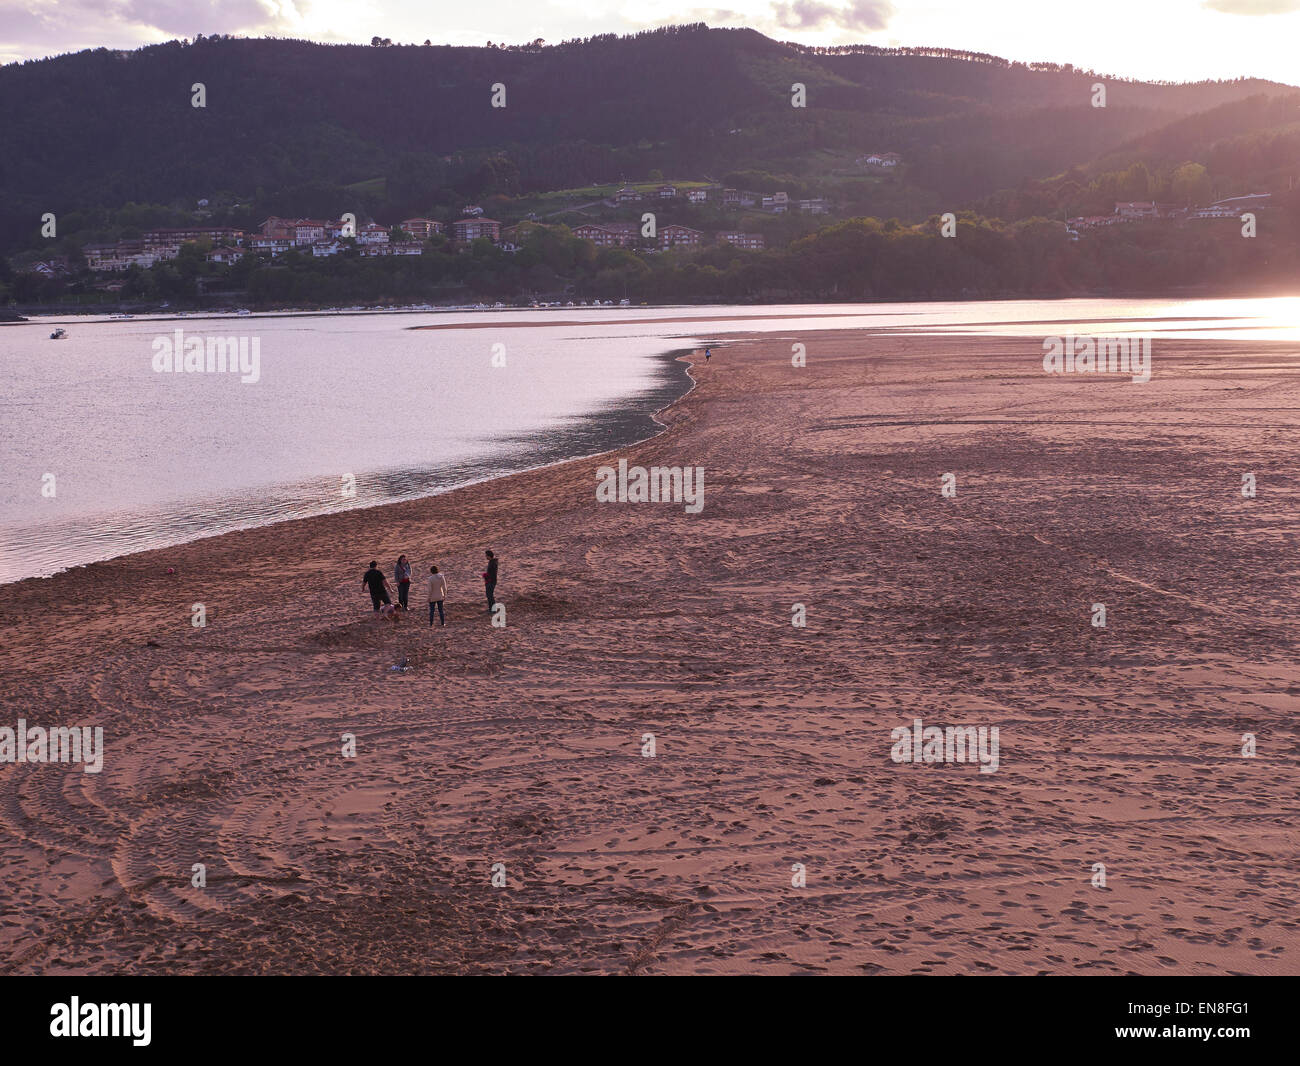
(1176, 40)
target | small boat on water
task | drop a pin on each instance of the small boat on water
(58, 334)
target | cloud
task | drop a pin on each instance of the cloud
(30, 28)
(181, 18)
(1253, 7)
(860, 15)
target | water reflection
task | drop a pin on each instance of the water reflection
(35, 549)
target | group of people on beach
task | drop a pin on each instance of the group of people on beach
(377, 584)
(380, 591)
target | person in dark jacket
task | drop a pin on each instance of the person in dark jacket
(375, 581)
(490, 579)
(402, 574)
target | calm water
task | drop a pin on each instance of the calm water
(143, 459)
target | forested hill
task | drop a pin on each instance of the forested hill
(1250, 145)
(103, 128)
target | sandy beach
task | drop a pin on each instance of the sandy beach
(523, 745)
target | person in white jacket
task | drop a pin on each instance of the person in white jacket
(437, 593)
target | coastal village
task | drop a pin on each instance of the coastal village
(409, 236)
(1149, 210)
(321, 237)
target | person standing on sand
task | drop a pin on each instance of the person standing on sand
(375, 581)
(490, 579)
(707, 355)
(437, 593)
(402, 573)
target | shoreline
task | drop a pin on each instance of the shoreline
(525, 744)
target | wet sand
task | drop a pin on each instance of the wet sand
(522, 745)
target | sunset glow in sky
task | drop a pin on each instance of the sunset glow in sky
(1174, 40)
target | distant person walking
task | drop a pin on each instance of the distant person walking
(375, 581)
(707, 355)
(490, 579)
(402, 573)
(437, 593)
